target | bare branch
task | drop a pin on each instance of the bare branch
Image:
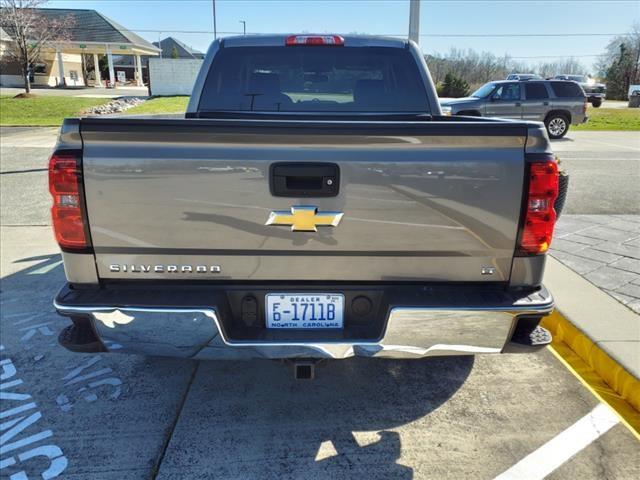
(31, 32)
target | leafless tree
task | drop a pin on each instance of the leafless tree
(477, 68)
(31, 32)
(473, 67)
(569, 66)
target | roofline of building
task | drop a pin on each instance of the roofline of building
(191, 51)
(122, 31)
(108, 44)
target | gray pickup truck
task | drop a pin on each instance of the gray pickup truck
(314, 204)
(557, 103)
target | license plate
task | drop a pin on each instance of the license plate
(305, 310)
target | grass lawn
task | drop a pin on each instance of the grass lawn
(611, 119)
(50, 111)
(160, 105)
(43, 111)
(599, 118)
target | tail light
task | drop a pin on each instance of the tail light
(584, 105)
(68, 205)
(335, 40)
(540, 216)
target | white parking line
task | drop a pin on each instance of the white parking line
(608, 144)
(45, 269)
(561, 448)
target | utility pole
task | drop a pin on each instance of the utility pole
(215, 32)
(414, 20)
(244, 26)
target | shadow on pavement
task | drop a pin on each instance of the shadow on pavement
(253, 420)
(122, 416)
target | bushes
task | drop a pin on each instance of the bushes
(453, 87)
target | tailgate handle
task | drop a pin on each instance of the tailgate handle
(304, 179)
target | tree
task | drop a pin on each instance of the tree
(473, 67)
(454, 86)
(620, 64)
(174, 52)
(478, 68)
(31, 32)
(620, 74)
(569, 66)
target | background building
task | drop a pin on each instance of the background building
(95, 40)
(174, 48)
(171, 47)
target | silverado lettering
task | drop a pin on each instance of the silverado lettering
(165, 268)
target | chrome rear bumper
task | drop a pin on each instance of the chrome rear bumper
(410, 332)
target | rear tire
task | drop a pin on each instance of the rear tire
(563, 188)
(596, 102)
(557, 125)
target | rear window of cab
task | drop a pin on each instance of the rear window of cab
(314, 79)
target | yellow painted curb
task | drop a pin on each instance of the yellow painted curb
(602, 375)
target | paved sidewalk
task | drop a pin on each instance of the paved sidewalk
(82, 92)
(605, 250)
(26, 137)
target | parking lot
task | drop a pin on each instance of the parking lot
(122, 416)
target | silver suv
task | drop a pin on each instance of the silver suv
(557, 103)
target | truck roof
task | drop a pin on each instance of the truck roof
(278, 40)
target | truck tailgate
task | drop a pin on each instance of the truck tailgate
(432, 201)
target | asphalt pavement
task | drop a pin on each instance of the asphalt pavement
(615, 104)
(604, 169)
(124, 416)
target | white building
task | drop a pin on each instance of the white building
(92, 35)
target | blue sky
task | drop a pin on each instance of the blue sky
(165, 17)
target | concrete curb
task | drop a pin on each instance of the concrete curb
(598, 340)
(599, 373)
(606, 322)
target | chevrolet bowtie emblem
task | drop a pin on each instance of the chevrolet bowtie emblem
(304, 218)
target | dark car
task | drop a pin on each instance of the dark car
(596, 92)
